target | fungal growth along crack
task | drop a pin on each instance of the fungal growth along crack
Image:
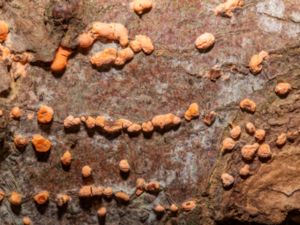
(44, 143)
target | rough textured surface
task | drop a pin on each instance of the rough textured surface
(186, 161)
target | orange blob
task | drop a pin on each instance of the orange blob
(15, 198)
(40, 143)
(66, 158)
(2, 195)
(41, 198)
(146, 43)
(85, 191)
(45, 114)
(248, 105)
(86, 171)
(105, 57)
(205, 41)
(141, 6)
(134, 128)
(256, 61)
(192, 112)
(27, 220)
(165, 121)
(123, 56)
(16, 113)
(62, 199)
(122, 196)
(61, 59)
(20, 141)
(159, 209)
(85, 40)
(283, 89)
(227, 8)
(102, 212)
(4, 29)
(188, 205)
(124, 166)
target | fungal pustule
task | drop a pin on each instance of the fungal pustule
(205, 41)
(283, 88)
(111, 31)
(165, 121)
(26, 220)
(210, 118)
(140, 186)
(260, 134)
(16, 113)
(140, 183)
(61, 59)
(41, 198)
(124, 166)
(245, 171)
(86, 171)
(20, 141)
(122, 196)
(66, 158)
(105, 57)
(135, 45)
(174, 208)
(4, 30)
(62, 199)
(141, 6)
(108, 192)
(15, 198)
(159, 209)
(147, 127)
(97, 191)
(264, 151)
(248, 151)
(248, 105)
(85, 40)
(85, 191)
(2, 195)
(255, 64)
(90, 122)
(45, 114)
(123, 56)
(100, 121)
(192, 112)
(146, 43)
(228, 144)
(124, 122)
(101, 212)
(134, 128)
(70, 121)
(188, 205)
(40, 143)
(152, 186)
(250, 128)
(227, 180)
(235, 132)
(113, 128)
(281, 139)
(227, 8)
